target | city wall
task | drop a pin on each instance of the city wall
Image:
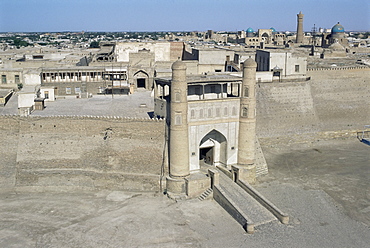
(65, 153)
(333, 101)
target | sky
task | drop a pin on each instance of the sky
(179, 15)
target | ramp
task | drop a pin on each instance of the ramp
(241, 205)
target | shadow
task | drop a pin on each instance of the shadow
(151, 114)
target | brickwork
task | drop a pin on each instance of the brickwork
(332, 100)
(92, 153)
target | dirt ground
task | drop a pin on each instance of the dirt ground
(323, 186)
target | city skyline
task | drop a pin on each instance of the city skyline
(178, 15)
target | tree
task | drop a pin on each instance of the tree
(94, 44)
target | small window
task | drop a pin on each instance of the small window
(246, 92)
(77, 90)
(209, 113)
(178, 119)
(16, 79)
(296, 68)
(68, 91)
(3, 79)
(177, 97)
(46, 94)
(192, 114)
(201, 113)
(245, 112)
(234, 111)
(217, 112)
(217, 70)
(226, 112)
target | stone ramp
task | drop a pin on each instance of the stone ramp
(242, 206)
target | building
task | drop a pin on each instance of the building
(282, 64)
(211, 122)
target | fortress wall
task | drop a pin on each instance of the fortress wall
(332, 100)
(90, 153)
(9, 131)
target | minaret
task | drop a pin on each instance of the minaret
(247, 117)
(178, 135)
(299, 36)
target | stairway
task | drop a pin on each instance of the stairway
(241, 205)
(205, 194)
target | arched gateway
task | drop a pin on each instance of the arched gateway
(213, 149)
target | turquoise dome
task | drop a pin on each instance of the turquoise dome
(273, 30)
(337, 28)
(250, 30)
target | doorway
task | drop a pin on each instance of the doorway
(140, 82)
(206, 155)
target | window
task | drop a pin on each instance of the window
(178, 119)
(225, 111)
(246, 92)
(77, 90)
(16, 79)
(296, 68)
(46, 94)
(197, 90)
(245, 112)
(3, 79)
(68, 91)
(217, 112)
(192, 114)
(209, 113)
(234, 111)
(201, 113)
(177, 97)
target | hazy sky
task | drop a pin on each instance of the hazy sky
(179, 15)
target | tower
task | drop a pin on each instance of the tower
(247, 120)
(299, 37)
(178, 131)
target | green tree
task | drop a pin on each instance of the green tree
(94, 44)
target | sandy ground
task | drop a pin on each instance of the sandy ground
(323, 186)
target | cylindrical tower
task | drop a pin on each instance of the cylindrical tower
(299, 37)
(178, 135)
(247, 117)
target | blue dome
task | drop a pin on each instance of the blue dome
(273, 30)
(337, 28)
(250, 30)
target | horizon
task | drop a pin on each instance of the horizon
(18, 16)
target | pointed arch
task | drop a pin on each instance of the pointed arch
(213, 148)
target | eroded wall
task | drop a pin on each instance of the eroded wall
(332, 100)
(89, 153)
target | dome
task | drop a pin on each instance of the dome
(250, 30)
(250, 63)
(179, 65)
(273, 30)
(337, 28)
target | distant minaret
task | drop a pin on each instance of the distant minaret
(300, 34)
(247, 118)
(179, 142)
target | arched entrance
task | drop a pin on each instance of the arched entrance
(141, 79)
(212, 149)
